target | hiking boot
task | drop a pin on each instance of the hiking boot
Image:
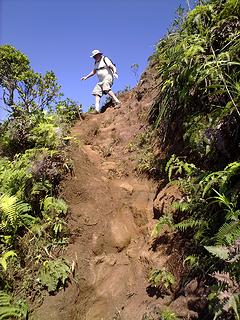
(117, 104)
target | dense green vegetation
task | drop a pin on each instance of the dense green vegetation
(197, 121)
(33, 160)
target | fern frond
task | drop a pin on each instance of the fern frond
(53, 205)
(9, 310)
(218, 251)
(163, 277)
(228, 233)
(177, 166)
(164, 220)
(191, 260)
(190, 223)
(234, 304)
(5, 256)
(224, 277)
(12, 211)
(181, 206)
(4, 299)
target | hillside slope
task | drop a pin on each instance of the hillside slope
(111, 220)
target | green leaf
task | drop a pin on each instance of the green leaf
(5, 256)
(218, 251)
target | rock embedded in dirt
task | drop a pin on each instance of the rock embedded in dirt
(191, 287)
(126, 186)
(123, 229)
(181, 307)
(109, 166)
(121, 235)
(163, 203)
(97, 244)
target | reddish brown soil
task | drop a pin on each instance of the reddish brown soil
(111, 218)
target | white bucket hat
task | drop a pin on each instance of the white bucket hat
(95, 52)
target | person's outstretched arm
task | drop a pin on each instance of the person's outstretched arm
(92, 73)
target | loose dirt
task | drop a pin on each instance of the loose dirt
(110, 221)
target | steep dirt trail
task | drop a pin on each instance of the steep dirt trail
(110, 214)
(111, 217)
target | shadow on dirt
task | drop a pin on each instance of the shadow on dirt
(154, 292)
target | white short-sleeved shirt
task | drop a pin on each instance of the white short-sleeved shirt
(102, 68)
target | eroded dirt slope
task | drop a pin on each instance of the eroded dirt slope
(111, 219)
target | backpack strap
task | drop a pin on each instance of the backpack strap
(103, 58)
(107, 66)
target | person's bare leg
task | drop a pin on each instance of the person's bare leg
(97, 103)
(113, 96)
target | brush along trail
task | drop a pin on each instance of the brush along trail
(110, 221)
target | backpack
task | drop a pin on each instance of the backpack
(106, 63)
(110, 60)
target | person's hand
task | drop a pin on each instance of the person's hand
(115, 76)
(84, 78)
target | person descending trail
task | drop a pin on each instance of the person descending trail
(106, 72)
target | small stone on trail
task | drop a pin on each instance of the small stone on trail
(109, 165)
(126, 186)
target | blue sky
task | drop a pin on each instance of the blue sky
(59, 35)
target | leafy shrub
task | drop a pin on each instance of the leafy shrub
(53, 212)
(161, 278)
(54, 274)
(47, 135)
(50, 166)
(68, 110)
(52, 205)
(33, 161)
(15, 134)
(199, 75)
(34, 174)
(210, 214)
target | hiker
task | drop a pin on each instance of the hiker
(106, 72)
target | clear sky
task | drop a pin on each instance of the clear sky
(59, 35)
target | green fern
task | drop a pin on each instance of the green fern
(13, 213)
(162, 277)
(218, 251)
(182, 206)
(191, 223)
(219, 179)
(5, 257)
(8, 310)
(176, 166)
(230, 207)
(191, 260)
(53, 209)
(228, 233)
(54, 206)
(165, 220)
(234, 304)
